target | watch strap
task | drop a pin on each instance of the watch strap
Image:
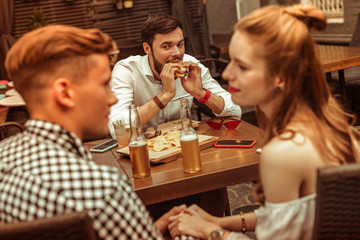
(206, 97)
(158, 102)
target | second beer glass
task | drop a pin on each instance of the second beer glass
(189, 141)
(139, 154)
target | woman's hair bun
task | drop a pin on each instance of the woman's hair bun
(310, 15)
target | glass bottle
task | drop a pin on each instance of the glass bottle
(189, 141)
(139, 154)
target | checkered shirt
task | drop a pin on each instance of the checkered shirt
(46, 171)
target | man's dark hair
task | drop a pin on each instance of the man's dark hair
(158, 24)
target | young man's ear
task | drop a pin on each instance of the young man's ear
(63, 92)
(147, 48)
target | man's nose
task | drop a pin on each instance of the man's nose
(176, 50)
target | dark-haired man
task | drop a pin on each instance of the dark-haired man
(148, 81)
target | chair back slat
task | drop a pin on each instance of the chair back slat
(8, 129)
(337, 214)
(72, 226)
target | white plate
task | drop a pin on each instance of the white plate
(170, 153)
(13, 101)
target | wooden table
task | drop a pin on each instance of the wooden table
(3, 114)
(221, 167)
(338, 58)
(334, 58)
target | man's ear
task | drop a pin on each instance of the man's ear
(63, 92)
(147, 48)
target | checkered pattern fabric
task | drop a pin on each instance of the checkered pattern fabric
(46, 170)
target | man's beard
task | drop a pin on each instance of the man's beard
(158, 66)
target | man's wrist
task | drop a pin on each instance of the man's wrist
(205, 97)
(165, 98)
(158, 102)
(202, 94)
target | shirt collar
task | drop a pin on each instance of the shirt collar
(147, 69)
(58, 135)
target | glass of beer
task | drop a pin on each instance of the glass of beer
(122, 132)
(190, 153)
(139, 154)
(189, 141)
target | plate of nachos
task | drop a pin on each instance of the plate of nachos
(166, 147)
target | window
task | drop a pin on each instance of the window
(333, 9)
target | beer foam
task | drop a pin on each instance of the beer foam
(188, 137)
(137, 143)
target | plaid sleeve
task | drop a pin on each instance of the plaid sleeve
(123, 215)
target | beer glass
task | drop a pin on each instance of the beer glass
(189, 141)
(139, 154)
(122, 132)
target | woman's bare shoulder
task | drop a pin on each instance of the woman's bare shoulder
(285, 164)
(289, 148)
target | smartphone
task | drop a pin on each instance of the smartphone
(102, 147)
(235, 143)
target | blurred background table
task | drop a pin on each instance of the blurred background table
(221, 167)
(338, 58)
(334, 58)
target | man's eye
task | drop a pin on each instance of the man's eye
(181, 44)
(166, 46)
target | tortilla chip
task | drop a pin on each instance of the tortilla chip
(167, 140)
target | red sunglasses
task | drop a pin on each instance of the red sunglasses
(229, 123)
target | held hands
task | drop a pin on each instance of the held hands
(163, 222)
(193, 221)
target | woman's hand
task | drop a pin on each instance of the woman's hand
(203, 214)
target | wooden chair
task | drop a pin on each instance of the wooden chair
(129, 47)
(72, 226)
(216, 67)
(8, 129)
(337, 214)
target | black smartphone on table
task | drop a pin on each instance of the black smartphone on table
(235, 143)
(102, 147)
